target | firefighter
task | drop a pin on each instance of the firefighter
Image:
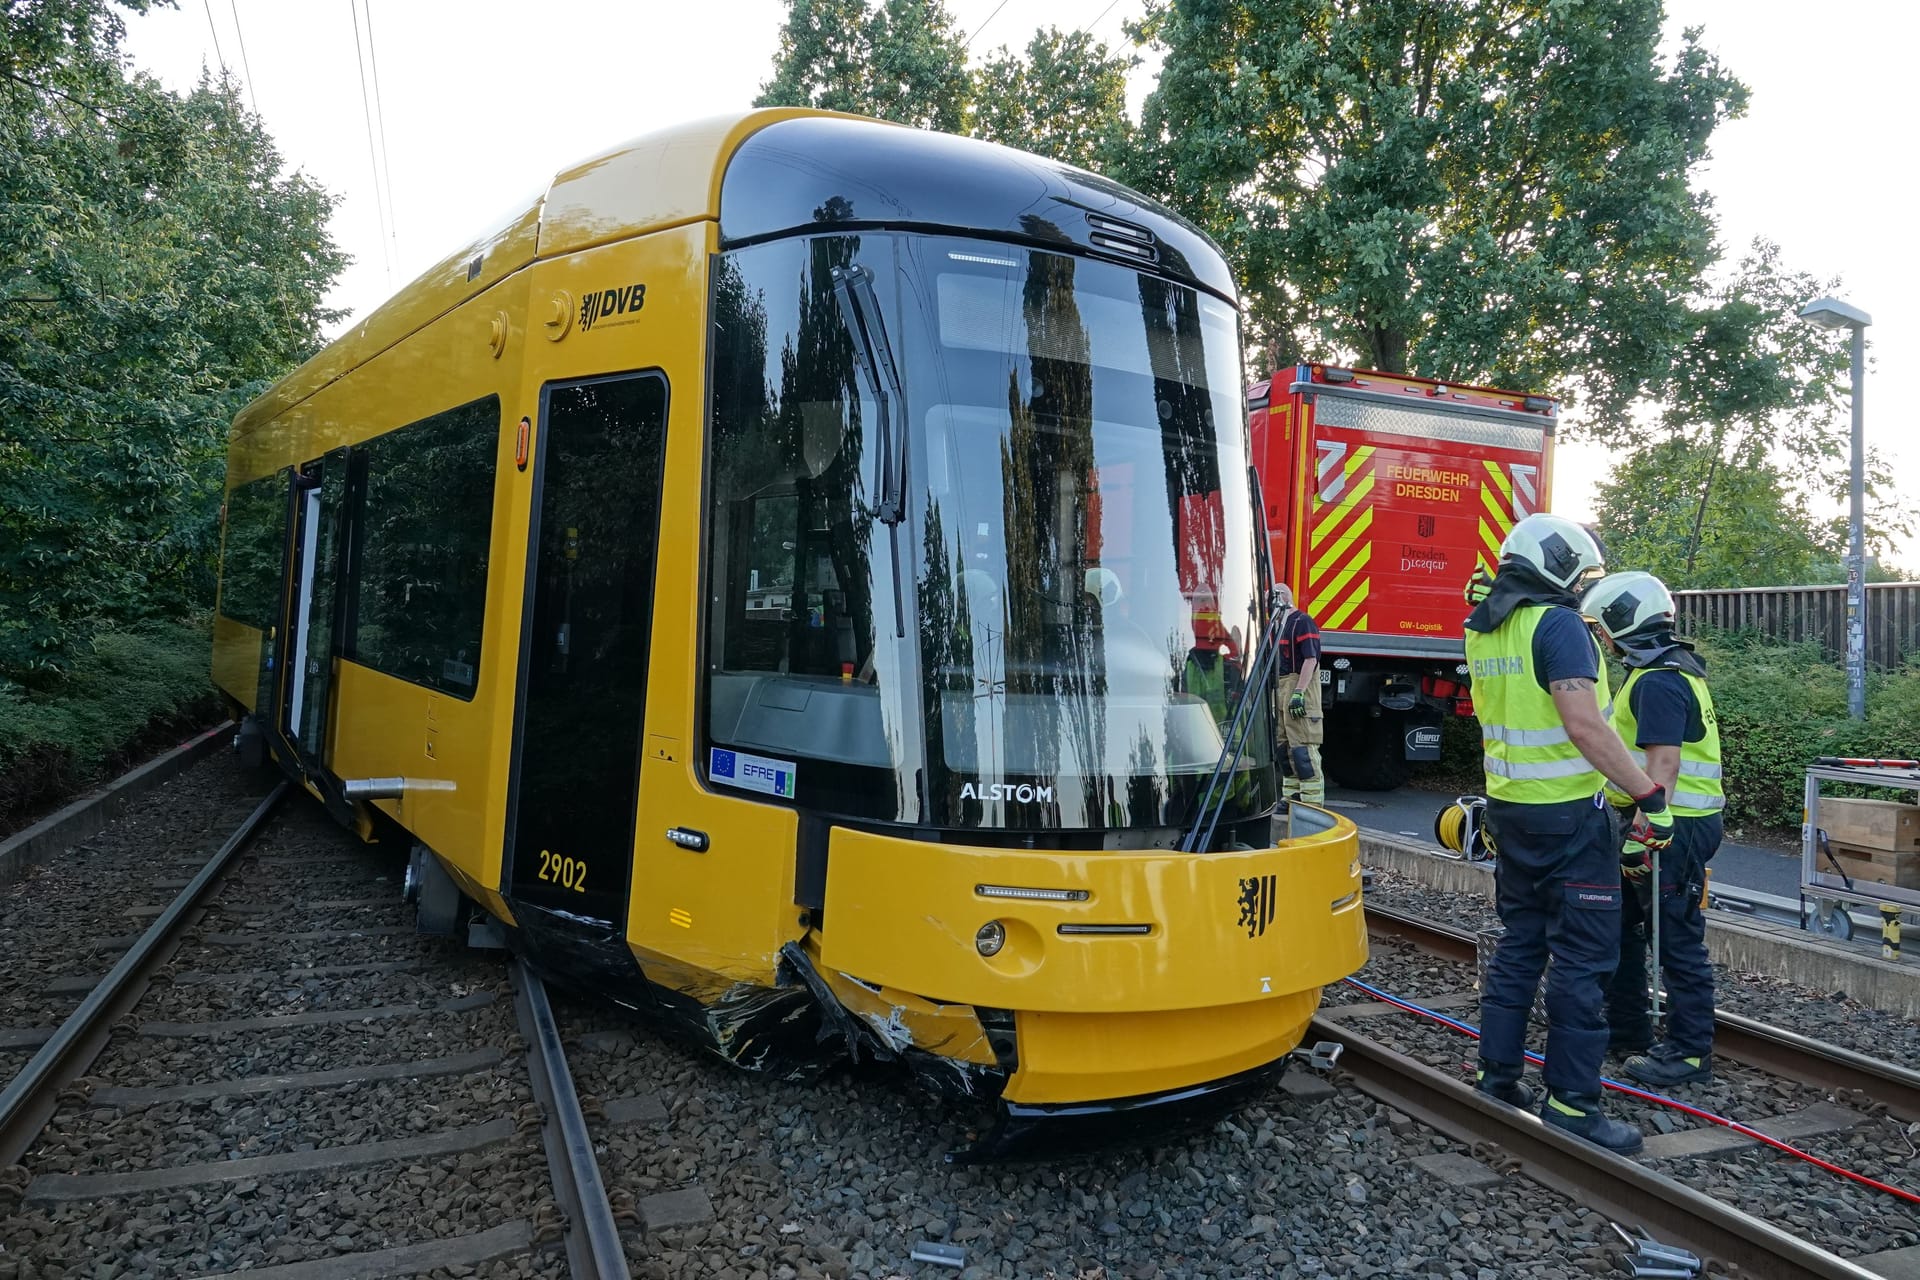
(1299, 668)
(1664, 713)
(1540, 691)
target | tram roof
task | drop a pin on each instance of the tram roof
(819, 169)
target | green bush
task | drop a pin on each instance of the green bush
(130, 689)
(1779, 706)
(1782, 705)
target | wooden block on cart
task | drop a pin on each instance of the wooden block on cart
(1876, 866)
(1871, 824)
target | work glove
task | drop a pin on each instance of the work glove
(1478, 586)
(1653, 808)
(1297, 705)
(1633, 860)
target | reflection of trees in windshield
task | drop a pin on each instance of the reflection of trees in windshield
(820, 420)
(1052, 647)
(1068, 479)
(793, 672)
(1073, 498)
(789, 459)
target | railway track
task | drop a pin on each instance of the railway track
(1755, 1043)
(1627, 1190)
(280, 1076)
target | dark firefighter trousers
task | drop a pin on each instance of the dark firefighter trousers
(1684, 967)
(1557, 887)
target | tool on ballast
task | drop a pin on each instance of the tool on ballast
(1322, 1058)
(1651, 1259)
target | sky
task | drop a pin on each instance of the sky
(479, 102)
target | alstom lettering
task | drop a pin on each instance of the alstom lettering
(1024, 792)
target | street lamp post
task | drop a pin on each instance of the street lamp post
(1831, 313)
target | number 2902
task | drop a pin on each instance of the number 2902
(568, 873)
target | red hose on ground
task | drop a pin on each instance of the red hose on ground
(1646, 1096)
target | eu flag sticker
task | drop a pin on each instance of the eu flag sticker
(753, 773)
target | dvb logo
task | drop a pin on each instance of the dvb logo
(611, 302)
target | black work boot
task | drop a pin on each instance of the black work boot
(1583, 1118)
(1500, 1081)
(1663, 1068)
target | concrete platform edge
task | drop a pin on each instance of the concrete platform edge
(1749, 946)
(56, 834)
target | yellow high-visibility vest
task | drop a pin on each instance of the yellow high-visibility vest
(1697, 792)
(1528, 756)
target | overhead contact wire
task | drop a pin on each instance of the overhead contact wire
(219, 57)
(1646, 1095)
(244, 63)
(380, 117)
(983, 26)
(373, 159)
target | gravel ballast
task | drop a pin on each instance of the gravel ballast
(842, 1177)
(1832, 1212)
(234, 1004)
(1823, 1015)
(54, 917)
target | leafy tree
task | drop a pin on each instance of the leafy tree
(1067, 99)
(902, 61)
(157, 269)
(1698, 519)
(1751, 432)
(1493, 191)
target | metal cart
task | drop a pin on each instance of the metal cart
(1825, 894)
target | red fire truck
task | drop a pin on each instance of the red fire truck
(1382, 492)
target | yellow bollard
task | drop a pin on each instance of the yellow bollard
(1890, 931)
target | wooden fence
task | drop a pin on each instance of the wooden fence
(1812, 613)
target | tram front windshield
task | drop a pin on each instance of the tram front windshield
(982, 546)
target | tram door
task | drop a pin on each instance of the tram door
(320, 548)
(587, 623)
(317, 494)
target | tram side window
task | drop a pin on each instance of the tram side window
(250, 561)
(425, 522)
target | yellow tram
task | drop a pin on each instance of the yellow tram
(798, 575)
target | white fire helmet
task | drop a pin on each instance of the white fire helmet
(1554, 547)
(1627, 603)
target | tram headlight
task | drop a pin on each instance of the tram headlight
(992, 937)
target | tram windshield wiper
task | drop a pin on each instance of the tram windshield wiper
(860, 312)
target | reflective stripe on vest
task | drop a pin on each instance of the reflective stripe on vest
(1529, 757)
(1697, 792)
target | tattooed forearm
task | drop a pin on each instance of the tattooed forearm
(1572, 686)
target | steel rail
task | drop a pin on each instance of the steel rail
(1757, 1044)
(32, 1096)
(594, 1251)
(1623, 1190)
